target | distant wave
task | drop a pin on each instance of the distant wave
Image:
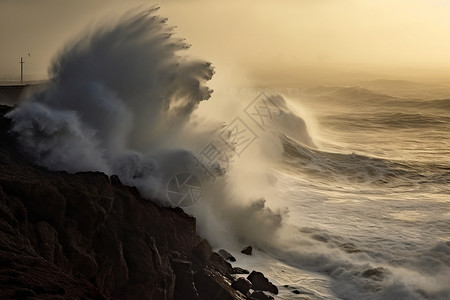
(387, 120)
(359, 169)
(348, 93)
(440, 104)
(372, 98)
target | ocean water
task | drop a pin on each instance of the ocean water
(342, 190)
(370, 199)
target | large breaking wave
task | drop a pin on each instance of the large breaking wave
(121, 101)
(115, 93)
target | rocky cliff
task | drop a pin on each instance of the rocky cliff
(87, 236)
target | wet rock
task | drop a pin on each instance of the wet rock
(145, 264)
(247, 250)
(238, 270)
(261, 283)
(219, 264)
(259, 295)
(226, 255)
(184, 280)
(211, 284)
(298, 290)
(200, 254)
(87, 236)
(242, 285)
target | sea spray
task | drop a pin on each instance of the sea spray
(117, 95)
(121, 101)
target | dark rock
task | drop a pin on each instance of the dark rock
(184, 280)
(259, 295)
(47, 245)
(247, 250)
(296, 292)
(226, 255)
(115, 180)
(113, 273)
(24, 293)
(87, 236)
(211, 284)
(261, 283)
(219, 264)
(238, 270)
(242, 285)
(200, 254)
(51, 207)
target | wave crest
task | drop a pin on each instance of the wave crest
(121, 88)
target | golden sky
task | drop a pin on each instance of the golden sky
(267, 39)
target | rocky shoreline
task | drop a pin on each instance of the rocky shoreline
(88, 236)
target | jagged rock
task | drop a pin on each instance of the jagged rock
(219, 264)
(212, 285)
(112, 267)
(259, 295)
(200, 254)
(115, 180)
(87, 236)
(184, 280)
(147, 267)
(247, 250)
(261, 283)
(51, 206)
(24, 293)
(226, 255)
(25, 274)
(47, 244)
(238, 270)
(242, 285)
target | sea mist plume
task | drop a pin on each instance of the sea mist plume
(120, 101)
(116, 94)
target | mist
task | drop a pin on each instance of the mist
(309, 41)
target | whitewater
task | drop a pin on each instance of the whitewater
(342, 190)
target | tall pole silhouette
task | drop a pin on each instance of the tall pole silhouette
(21, 70)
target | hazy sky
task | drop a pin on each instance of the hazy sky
(270, 40)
